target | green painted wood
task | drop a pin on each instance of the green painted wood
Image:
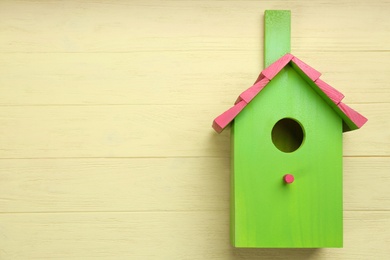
(277, 35)
(346, 120)
(266, 212)
(232, 190)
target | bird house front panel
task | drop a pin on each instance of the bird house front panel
(288, 129)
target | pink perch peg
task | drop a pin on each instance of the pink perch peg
(288, 178)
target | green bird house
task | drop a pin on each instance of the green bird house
(286, 151)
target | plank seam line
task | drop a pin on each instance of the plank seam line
(159, 157)
(151, 211)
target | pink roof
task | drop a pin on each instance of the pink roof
(352, 119)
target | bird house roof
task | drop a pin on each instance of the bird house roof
(351, 119)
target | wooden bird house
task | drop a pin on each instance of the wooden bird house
(286, 151)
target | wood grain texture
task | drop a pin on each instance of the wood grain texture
(308, 213)
(56, 185)
(168, 235)
(106, 149)
(109, 26)
(277, 35)
(137, 77)
(146, 131)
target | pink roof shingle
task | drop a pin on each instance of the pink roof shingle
(352, 119)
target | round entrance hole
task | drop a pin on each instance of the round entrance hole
(287, 135)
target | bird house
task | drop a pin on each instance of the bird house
(286, 151)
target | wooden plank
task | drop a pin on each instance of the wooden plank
(169, 234)
(146, 131)
(159, 184)
(125, 78)
(277, 35)
(205, 77)
(114, 184)
(90, 26)
(108, 131)
(365, 183)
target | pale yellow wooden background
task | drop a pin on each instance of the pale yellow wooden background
(106, 149)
